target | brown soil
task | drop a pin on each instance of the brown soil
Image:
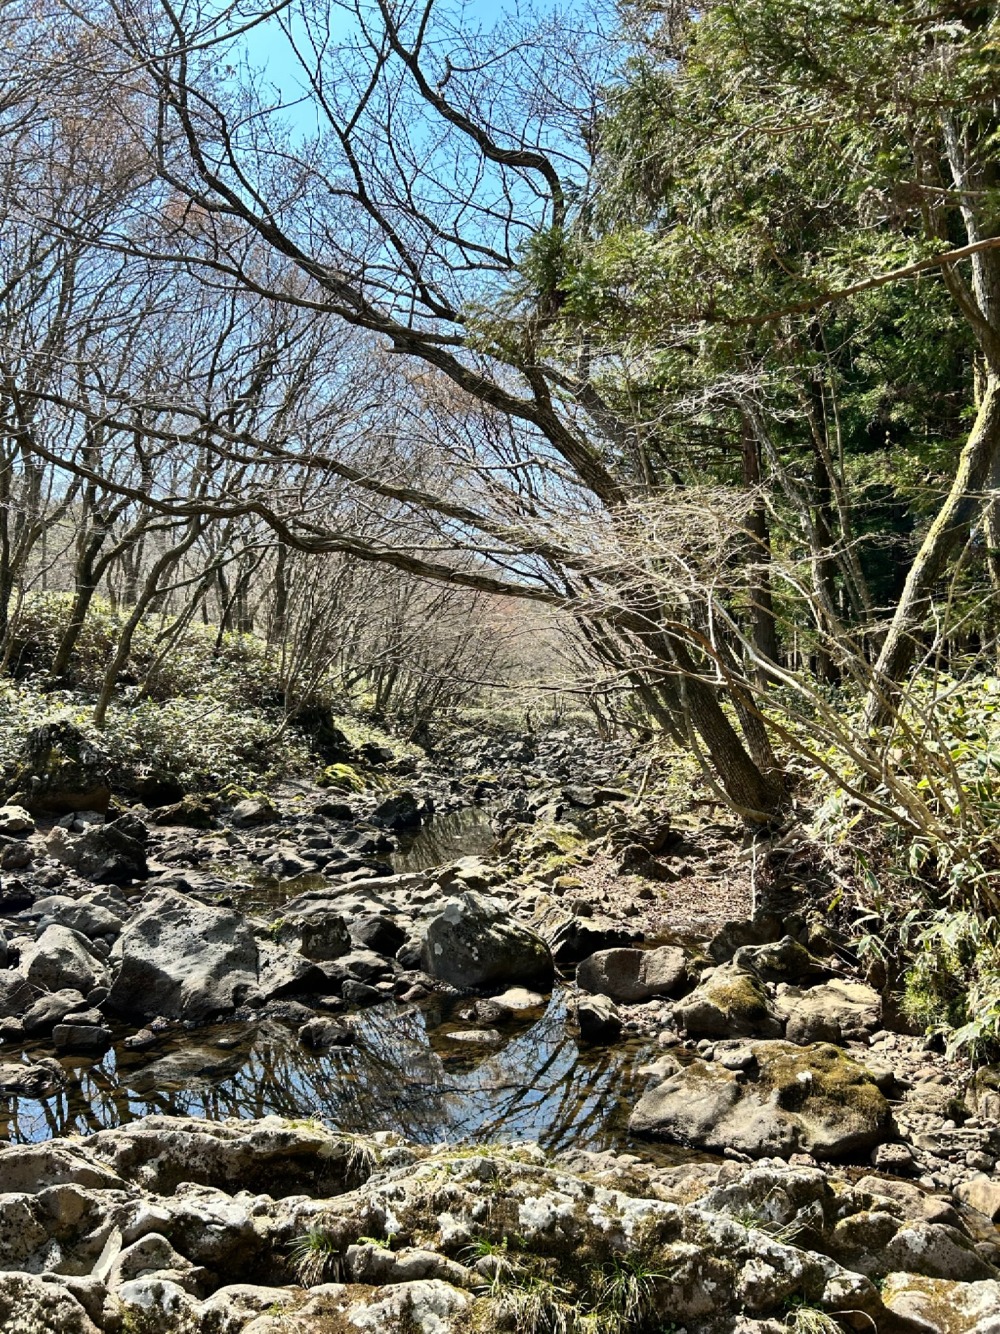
(707, 881)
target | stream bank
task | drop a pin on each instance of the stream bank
(583, 1005)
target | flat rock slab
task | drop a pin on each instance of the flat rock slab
(791, 1100)
(837, 1011)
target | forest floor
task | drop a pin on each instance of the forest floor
(695, 1042)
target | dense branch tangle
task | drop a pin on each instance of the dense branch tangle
(379, 332)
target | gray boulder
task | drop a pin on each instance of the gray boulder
(280, 1157)
(599, 1020)
(402, 811)
(633, 975)
(183, 959)
(475, 942)
(76, 1039)
(282, 972)
(52, 1009)
(982, 1193)
(730, 1002)
(792, 1100)
(375, 931)
(320, 936)
(936, 1251)
(574, 936)
(63, 770)
(84, 915)
(764, 929)
(578, 937)
(784, 961)
(15, 822)
(62, 959)
(319, 1034)
(838, 1011)
(943, 1306)
(16, 993)
(31, 1081)
(30, 1302)
(15, 855)
(107, 854)
(252, 812)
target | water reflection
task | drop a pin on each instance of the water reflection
(445, 838)
(404, 1073)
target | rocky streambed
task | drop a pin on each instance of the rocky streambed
(293, 1064)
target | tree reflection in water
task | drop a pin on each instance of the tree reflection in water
(402, 1074)
(444, 838)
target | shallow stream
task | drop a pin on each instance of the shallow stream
(445, 838)
(403, 1073)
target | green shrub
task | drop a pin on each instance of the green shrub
(240, 670)
(197, 741)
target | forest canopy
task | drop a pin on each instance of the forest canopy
(680, 323)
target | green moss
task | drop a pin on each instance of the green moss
(738, 994)
(342, 777)
(547, 838)
(820, 1071)
(942, 1300)
(567, 883)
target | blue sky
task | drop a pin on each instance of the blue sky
(267, 49)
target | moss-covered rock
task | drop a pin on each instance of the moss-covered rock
(341, 777)
(941, 1305)
(63, 770)
(191, 812)
(786, 1100)
(730, 1002)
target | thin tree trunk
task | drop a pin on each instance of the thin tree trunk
(86, 587)
(765, 630)
(278, 625)
(826, 566)
(963, 506)
(150, 589)
(755, 794)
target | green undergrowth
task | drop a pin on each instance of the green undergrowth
(198, 743)
(919, 880)
(198, 712)
(234, 670)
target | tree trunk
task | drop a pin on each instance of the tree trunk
(755, 794)
(963, 506)
(826, 566)
(765, 631)
(86, 587)
(278, 623)
(149, 591)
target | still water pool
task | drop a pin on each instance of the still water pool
(405, 1072)
(445, 838)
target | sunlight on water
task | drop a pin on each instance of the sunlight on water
(403, 1073)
